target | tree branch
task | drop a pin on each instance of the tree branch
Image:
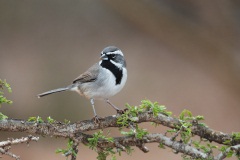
(159, 138)
(68, 130)
(74, 131)
(223, 155)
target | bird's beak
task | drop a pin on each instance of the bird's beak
(104, 57)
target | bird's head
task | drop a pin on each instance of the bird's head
(113, 55)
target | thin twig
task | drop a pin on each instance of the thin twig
(75, 150)
(6, 145)
(18, 141)
(6, 152)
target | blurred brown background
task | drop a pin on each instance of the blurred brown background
(183, 54)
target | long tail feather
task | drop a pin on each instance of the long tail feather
(53, 91)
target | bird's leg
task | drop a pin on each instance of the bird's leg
(96, 119)
(112, 105)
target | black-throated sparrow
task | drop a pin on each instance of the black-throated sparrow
(102, 80)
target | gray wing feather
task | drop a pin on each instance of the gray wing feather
(89, 76)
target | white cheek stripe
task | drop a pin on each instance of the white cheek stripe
(119, 65)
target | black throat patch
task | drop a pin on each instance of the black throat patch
(117, 72)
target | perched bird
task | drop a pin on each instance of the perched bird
(101, 81)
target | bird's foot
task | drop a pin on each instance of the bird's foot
(96, 119)
(120, 111)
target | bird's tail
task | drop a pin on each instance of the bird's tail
(53, 91)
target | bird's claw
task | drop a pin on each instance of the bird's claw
(96, 119)
(120, 111)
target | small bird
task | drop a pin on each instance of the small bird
(101, 81)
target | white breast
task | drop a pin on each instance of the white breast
(105, 85)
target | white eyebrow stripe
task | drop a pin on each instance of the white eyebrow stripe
(115, 52)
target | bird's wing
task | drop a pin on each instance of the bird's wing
(89, 76)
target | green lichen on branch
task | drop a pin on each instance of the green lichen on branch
(131, 113)
(228, 150)
(37, 119)
(69, 150)
(103, 153)
(3, 99)
(4, 85)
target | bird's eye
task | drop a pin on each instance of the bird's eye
(113, 56)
